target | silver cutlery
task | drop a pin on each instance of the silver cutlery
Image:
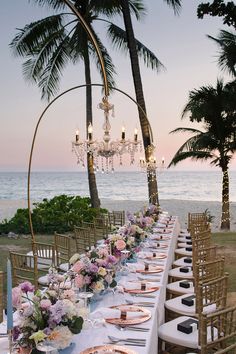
(131, 328)
(127, 343)
(144, 295)
(140, 303)
(155, 280)
(128, 340)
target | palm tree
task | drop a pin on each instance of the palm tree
(227, 45)
(51, 43)
(215, 107)
(126, 39)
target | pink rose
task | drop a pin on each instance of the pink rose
(77, 267)
(120, 245)
(16, 297)
(79, 281)
(45, 304)
(69, 294)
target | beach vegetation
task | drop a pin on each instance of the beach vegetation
(219, 8)
(59, 214)
(215, 109)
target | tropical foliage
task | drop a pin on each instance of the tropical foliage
(219, 8)
(60, 214)
(215, 107)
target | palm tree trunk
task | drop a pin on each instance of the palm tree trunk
(95, 201)
(152, 181)
(225, 216)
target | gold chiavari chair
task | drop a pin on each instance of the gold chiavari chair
(24, 268)
(46, 255)
(117, 218)
(62, 244)
(196, 218)
(217, 332)
(102, 228)
(1, 296)
(82, 239)
(92, 231)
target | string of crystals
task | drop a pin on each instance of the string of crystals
(104, 151)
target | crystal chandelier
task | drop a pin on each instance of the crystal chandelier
(151, 166)
(104, 151)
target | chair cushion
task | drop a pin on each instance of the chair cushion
(174, 287)
(64, 267)
(180, 262)
(176, 305)
(183, 252)
(169, 333)
(176, 273)
(43, 280)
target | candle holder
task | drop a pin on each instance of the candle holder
(10, 341)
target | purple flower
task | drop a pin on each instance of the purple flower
(93, 268)
(57, 312)
(16, 333)
(27, 287)
(111, 259)
(47, 331)
(87, 279)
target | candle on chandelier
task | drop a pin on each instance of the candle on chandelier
(90, 131)
(123, 133)
(163, 160)
(77, 135)
(135, 134)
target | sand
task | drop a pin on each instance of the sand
(174, 207)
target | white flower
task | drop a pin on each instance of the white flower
(102, 271)
(69, 308)
(61, 337)
(99, 286)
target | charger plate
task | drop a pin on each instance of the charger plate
(158, 256)
(145, 315)
(110, 348)
(139, 291)
(153, 270)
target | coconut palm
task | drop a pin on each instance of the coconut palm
(51, 43)
(227, 56)
(126, 40)
(215, 107)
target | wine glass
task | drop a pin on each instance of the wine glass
(85, 296)
(47, 347)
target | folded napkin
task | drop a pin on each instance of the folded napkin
(138, 285)
(135, 267)
(109, 313)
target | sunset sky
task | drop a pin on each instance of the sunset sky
(179, 42)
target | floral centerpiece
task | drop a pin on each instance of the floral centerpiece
(48, 316)
(143, 222)
(94, 271)
(153, 211)
(121, 242)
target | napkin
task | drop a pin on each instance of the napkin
(138, 285)
(109, 313)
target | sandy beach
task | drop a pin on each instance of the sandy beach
(174, 207)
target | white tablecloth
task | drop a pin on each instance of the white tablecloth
(97, 336)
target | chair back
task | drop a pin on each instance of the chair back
(204, 254)
(24, 268)
(207, 271)
(212, 295)
(46, 255)
(92, 231)
(116, 218)
(200, 233)
(102, 228)
(197, 220)
(217, 332)
(1, 296)
(62, 248)
(82, 239)
(201, 243)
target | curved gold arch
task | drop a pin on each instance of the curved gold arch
(36, 131)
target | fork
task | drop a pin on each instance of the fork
(128, 340)
(131, 328)
(140, 303)
(144, 295)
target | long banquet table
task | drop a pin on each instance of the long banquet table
(97, 336)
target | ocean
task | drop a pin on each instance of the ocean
(185, 185)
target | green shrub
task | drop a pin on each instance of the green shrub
(59, 214)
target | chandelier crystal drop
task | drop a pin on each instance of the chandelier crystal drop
(151, 166)
(104, 151)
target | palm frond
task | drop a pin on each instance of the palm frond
(50, 79)
(227, 55)
(110, 8)
(54, 4)
(193, 155)
(29, 39)
(109, 66)
(119, 41)
(183, 129)
(175, 4)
